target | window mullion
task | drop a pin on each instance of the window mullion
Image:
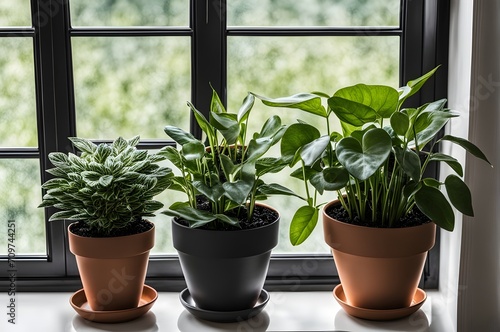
(208, 53)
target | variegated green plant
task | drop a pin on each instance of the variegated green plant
(108, 186)
(227, 171)
(377, 163)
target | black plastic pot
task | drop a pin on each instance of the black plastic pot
(225, 270)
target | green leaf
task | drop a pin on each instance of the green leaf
(303, 223)
(314, 150)
(60, 215)
(468, 146)
(434, 205)
(196, 218)
(152, 206)
(307, 102)
(83, 145)
(134, 141)
(228, 220)
(246, 107)
(428, 124)
(414, 86)
(55, 183)
(380, 98)
(203, 122)
(228, 167)
(270, 165)
(91, 178)
(452, 162)
(173, 155)
(59, 159)
(296, 136)
(227, 125)
(329, 179)
(237, 191)
(431, 182)
(271, 127)
(105, 180)
(409, 162)
(363, 160)
(216, 105)
(213, 193)
(119, 145)
(459, 194)
(351, 112)
(103, 152)
(276, 189)
(180, 136)
(400, 123)
(258, 147)
(193, 150)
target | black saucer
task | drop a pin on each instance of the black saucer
(223, 316)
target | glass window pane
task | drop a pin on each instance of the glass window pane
(129, 13)
(20, 194)
(15, 13)
(17, 97)
(313, 13)
(304, 64)
(130, 86)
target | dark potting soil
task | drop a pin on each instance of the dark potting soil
(262, 216)
(414, 218)
(82, 229)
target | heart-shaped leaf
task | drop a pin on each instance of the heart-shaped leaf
(382, 99)
(296, 136)
(351, 112)
(237, 191)
(331, 178)
(400, 123)
(409, 162)
(363, 160)
(193, 151)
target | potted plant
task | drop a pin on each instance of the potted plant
(223, 236)
(383, 222)
(107, 191)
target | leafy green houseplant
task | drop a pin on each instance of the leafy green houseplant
(376, 164)
(221, 176)
(108, 190)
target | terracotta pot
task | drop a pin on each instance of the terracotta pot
(225, 270)
(379, 268)
(112, 269)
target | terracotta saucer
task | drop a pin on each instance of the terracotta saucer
(79, 303)
(375, 314)
(223, 316)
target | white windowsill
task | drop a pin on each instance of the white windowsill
(286, 311)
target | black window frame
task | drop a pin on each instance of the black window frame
(423, 32)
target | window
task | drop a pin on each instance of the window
(100, 69)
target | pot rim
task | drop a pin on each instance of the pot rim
(92, 247)
(174, 219)
(377, 242)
